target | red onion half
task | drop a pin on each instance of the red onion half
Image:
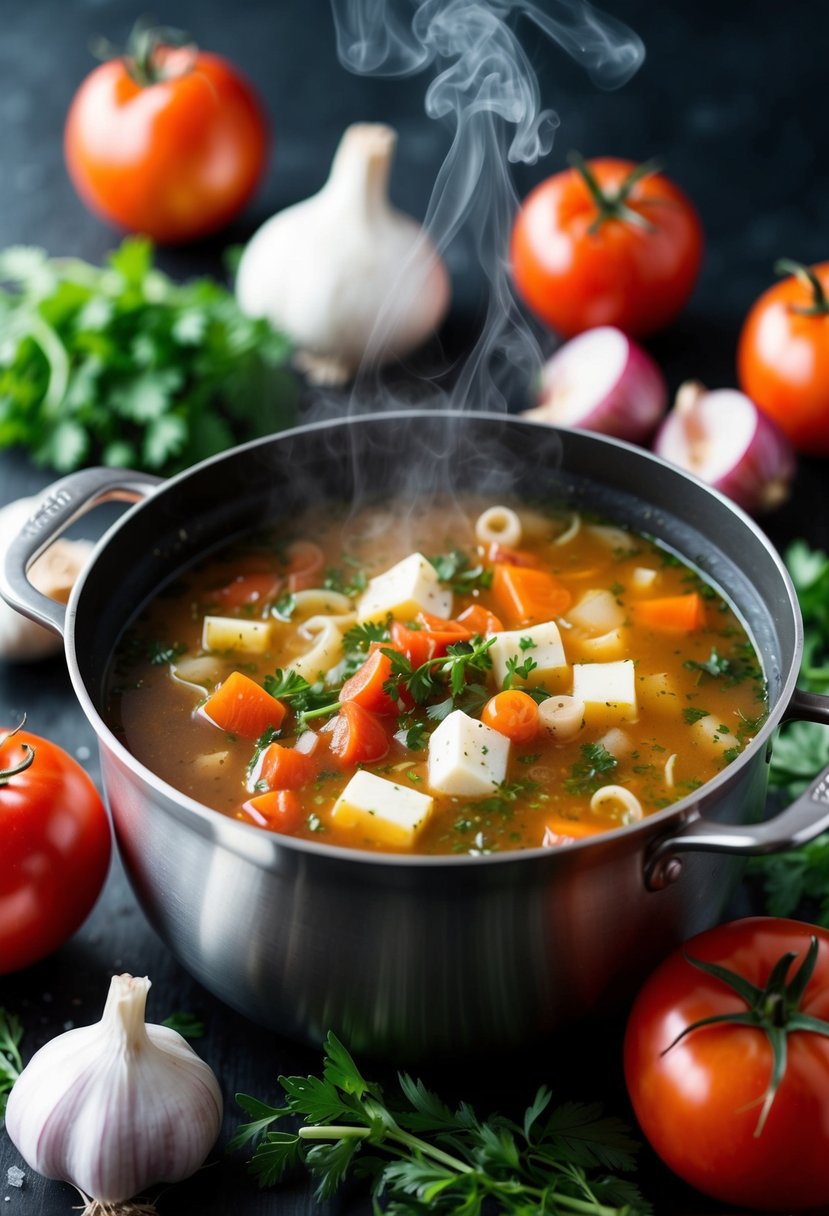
(724, 439)
(602, 381)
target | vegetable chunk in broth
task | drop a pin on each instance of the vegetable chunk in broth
(466, 678)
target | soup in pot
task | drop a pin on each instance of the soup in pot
(466, 679)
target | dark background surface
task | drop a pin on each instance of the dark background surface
(730, 97)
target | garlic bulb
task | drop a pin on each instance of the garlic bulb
(54, 573)
(351, 280)
(116, 1106)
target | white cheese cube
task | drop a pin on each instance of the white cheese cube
(382, 810)
(467, 757)
(541, 643)
(406, 589)
(608, 691)
(231, 633)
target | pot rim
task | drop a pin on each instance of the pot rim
(239, 836)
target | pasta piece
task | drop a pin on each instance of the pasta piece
(563, 717)
(617, 801)
(498, 525)
(326, 648)
(571, 531)
(670, 765)
(616, 539)
(320, 602)
(199, 672)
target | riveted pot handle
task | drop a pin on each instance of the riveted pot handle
(804, 819)
(61, 504)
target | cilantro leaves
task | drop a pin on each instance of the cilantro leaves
(122, 366)
(423, 1157)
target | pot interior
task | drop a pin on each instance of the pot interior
(414, 456)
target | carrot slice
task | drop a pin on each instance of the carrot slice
(442, 632)
(415, 644)
(249, 589)
(480, 620)
(365, 687)
(511, 557)
(560, 831)
(524, 596)
(305, 563)
(242, 707)
(284, 768)
(357, 735)
(671, 614)
(512, 713)
(277, 810)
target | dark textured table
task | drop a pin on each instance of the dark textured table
(731, 97)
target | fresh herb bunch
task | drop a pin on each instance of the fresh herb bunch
(801, 749)
(121, 366)
(11, 1063)
(422, 1157)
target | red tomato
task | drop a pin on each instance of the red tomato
(700, 1099)
(166, 141)
(783, 356)
(55, 847)
(606, 243)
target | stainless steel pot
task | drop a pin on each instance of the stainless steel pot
(407, 955)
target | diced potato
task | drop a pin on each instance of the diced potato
(382, 810)
(409, 587)
(643, 578)
(231, 633)
(657, 691)
(610, 645)
(466, 756)
(616, 539)
(608, 691)
(597, 611)
(542, 644)
(616, 741)
(713, 734)
(211, 763)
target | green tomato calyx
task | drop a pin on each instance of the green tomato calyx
(774, 1010)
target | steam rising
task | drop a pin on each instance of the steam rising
(484, 85)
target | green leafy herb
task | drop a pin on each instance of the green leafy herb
(455, 570)
(801, 750)
(11, 1062)
(588, 773)
(122, 366)
(692, 714)
(185, 1024)
(420, 1156)
(457, 668)
(159, 654)
(517, 668)
(360, 637)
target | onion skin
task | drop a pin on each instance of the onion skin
(762, 467)
(630, 408)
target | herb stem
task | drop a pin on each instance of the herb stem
(430, 1150)
(323, 711)
(333, 1131)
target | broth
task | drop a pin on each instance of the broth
(338, 682)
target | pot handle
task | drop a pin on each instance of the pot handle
(799, 823)
(62, 503)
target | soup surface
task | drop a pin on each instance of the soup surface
(465, 679)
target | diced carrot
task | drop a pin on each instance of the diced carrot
(357, 735)
(511, 557)
(249, 589)
(560, 831)
(415, 644)
(671, 613)
(523, 596)
(512, 713)
(242, 707)
(277, 810)
(442, 632)
(284, 768)
(365, 687)
(304, 565)
(480, 620)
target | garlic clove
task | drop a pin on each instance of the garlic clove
(350, 279)
(54, 574)
(116, 1106)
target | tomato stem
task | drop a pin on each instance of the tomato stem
(614, 206)
(819, 306)
(6, 774)
(145, 55)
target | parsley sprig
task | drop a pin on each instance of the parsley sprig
(588, 773)
(456, 669)
(11, 1062)
(120, 365)
(420, 1156)
(801, 750)
(455, 570)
